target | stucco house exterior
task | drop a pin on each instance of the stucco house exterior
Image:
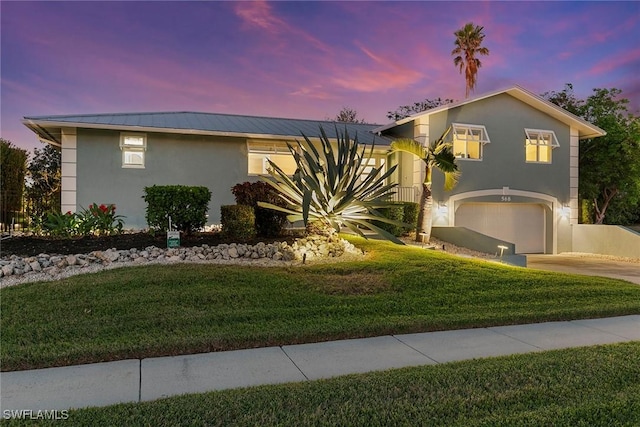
(111, 158)
(518, 158)
(517, 153)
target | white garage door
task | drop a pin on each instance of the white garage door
(519, 223)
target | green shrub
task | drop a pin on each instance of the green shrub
(411, 215)
(187, 207)
(394, 212)
(238, 221)
(100, 220)
(269, 223)
(95, 220)
(61, 225)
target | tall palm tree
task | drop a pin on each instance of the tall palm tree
(437, 155)
(468, 44)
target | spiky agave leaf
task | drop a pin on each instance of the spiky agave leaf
(330, 186)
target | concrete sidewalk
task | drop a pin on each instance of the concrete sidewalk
(103, 384)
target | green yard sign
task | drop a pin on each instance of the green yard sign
(173, 239)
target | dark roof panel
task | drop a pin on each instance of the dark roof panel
(223, 123)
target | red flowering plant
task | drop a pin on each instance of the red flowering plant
(100, 220)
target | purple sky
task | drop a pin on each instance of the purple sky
(297, 59)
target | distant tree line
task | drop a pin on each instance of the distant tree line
(29, 188)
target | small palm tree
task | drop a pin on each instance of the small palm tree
(468, 44)
(330, 188)
(437, 155)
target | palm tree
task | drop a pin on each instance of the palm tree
(437, 155)
(468, 44)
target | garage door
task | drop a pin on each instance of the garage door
(519, 223)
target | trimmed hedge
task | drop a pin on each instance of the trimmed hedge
(394, 212)
(269, 223)
(406, 212)
(238, 221)
(411, 214)
(187, 206)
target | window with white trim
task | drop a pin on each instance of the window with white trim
(259, 154)
(468, 141)
(539, 144)
(377, 160)
(133, 147)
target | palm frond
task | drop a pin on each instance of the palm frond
(410, 146)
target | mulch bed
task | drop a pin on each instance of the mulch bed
(27, 246)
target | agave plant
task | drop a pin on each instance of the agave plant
(330, 188)
(437, 155)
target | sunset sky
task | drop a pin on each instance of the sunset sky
(297, 59)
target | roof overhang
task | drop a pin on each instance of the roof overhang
(50, 131)
(585, 129)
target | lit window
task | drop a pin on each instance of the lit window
(539, 144)
(133, 147)
(260, 153)
(468, 141)
(375, 161)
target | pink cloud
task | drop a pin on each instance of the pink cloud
(611, 63)
(260, 14)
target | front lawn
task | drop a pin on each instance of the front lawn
(593, 386)
(179, 309)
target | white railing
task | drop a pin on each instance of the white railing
(406, 194)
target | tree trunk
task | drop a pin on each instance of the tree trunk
(601, 211)
(425, 218)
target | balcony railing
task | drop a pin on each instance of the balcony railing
(406, 194)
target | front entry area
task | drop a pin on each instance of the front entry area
(520, 223)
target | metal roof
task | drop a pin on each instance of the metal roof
(48, 128)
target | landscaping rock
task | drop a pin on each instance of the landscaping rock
(7, 270)
(15, 269)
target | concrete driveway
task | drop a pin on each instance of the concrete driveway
(587, 265)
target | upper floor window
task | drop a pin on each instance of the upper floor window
(539, 144)
(277, 152)
(133, 147)
(468, 141)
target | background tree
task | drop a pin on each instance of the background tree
(417, 107)
(469, 44)
(437, 155)
(13, 163)
(609, 179)
(44, 182)
(348, 115)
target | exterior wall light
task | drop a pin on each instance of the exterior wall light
(443, 210)
(565, 211)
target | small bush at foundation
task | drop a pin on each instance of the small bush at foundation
(238, 221)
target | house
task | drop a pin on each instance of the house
(111, 158)
(518, 158)
(517, 153)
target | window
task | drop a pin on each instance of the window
(468, 141)
(375, 161)
(539, 144)
(133, 147)
(261, 152)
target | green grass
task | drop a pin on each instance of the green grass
(594, 386)
(178, 309)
